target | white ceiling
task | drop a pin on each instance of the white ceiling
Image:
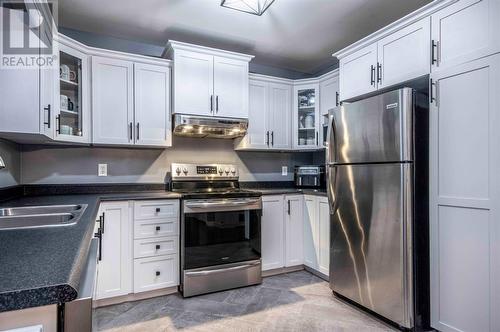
(293, 34)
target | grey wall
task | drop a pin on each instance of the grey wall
(129, 46)
(47, 164)
(11, 154)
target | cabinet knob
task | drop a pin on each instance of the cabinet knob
(158, 210)
(158, 228)
(157, 247)
(157, 273)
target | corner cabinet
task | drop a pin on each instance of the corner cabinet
(269, 115)
(209, 82)
(72, 94)
(306, 117)
(130, 101)
(329, 92)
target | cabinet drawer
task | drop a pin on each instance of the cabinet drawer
(155, 228)
(156, 272)
(156, 209)
(156, 247)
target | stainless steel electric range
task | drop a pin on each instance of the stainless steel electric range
(220, 229)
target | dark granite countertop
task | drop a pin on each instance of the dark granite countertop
(41, 266)
(290, 191)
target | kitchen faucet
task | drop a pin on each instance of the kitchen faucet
(2, 164)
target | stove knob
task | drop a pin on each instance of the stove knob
(221, 171)
(178, 170)
(185, 171)
(233, 171)
(226, 171)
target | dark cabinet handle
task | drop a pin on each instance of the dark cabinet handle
(272, 138)
(433, 52)
(267, 138)
(102, 225)
(336, 98)
(211, 103)
(48, 115)
(158, 228)
(58, 124)
(158, 210)
(288, 207)
(317, 140)
(372, 75)
(379, 72)
(158, 273)
(98, 235)
(432, 95)
(130, 129)
(137, 125)
(157, 247)
(217, 104)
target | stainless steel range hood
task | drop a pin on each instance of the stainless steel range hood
(209, 126)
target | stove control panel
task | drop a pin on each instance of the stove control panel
(204, 171)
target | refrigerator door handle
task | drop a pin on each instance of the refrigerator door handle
(331, 179)
(331, 142)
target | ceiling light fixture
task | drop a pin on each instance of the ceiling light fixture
(255, 7)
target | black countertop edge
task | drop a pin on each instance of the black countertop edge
(8, 193)
(89, 188)
(267, 185)
(291, 191)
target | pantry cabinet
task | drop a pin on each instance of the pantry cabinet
(317, 233)
(130, 102)
(464, 31)
(306, 117)
(465, 196)
(269, 121)
(209, 82)
(114, 276)
(398, 57)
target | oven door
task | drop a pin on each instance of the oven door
(221, 231)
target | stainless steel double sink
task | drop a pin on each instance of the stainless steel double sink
(40, 216)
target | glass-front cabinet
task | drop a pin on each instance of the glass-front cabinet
(71, 100)
(306, 117)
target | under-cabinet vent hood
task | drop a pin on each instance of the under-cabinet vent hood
(208, 126)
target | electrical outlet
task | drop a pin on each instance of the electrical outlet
(102, 170)
(284, 170)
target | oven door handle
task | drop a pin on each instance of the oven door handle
(207, 272)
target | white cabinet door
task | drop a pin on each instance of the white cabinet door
(115, 266)
(273, 256)
(465, 197)
(329, 94)
(258, 116)
(294, 229)
(112, 101)
(357, 73)
(405, 54)
(306, 117)
(280, 116)
(152, 105)
(193, 83)
(230, 87)
(323, 235)
(311, 229)
(465, 31)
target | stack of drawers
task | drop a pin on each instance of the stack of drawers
(156, 244)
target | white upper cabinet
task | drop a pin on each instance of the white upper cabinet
(130, 101)
(193, 83)
(152, 105)
(358, 72)
(231, 87)
(270, 110)
(306, 117)
(209, 82)
(329, 92)
(404, 55)
(465, 31)
(112, 101)
(72, 93)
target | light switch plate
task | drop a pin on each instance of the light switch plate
(102, 170)
(284, 170)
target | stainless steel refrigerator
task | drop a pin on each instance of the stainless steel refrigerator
(377, 195)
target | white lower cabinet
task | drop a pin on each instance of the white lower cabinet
(294, 220)
(317, 233)
(115, 266)
(272, 230)
(138, 254)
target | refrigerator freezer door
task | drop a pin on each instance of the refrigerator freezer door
(371, 238)
(376, 129)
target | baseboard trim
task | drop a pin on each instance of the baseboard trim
(282, 270)
(317, 273)
(134, 297)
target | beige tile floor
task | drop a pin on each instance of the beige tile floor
(297, 301)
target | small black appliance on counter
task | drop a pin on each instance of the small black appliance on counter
(312, 177)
